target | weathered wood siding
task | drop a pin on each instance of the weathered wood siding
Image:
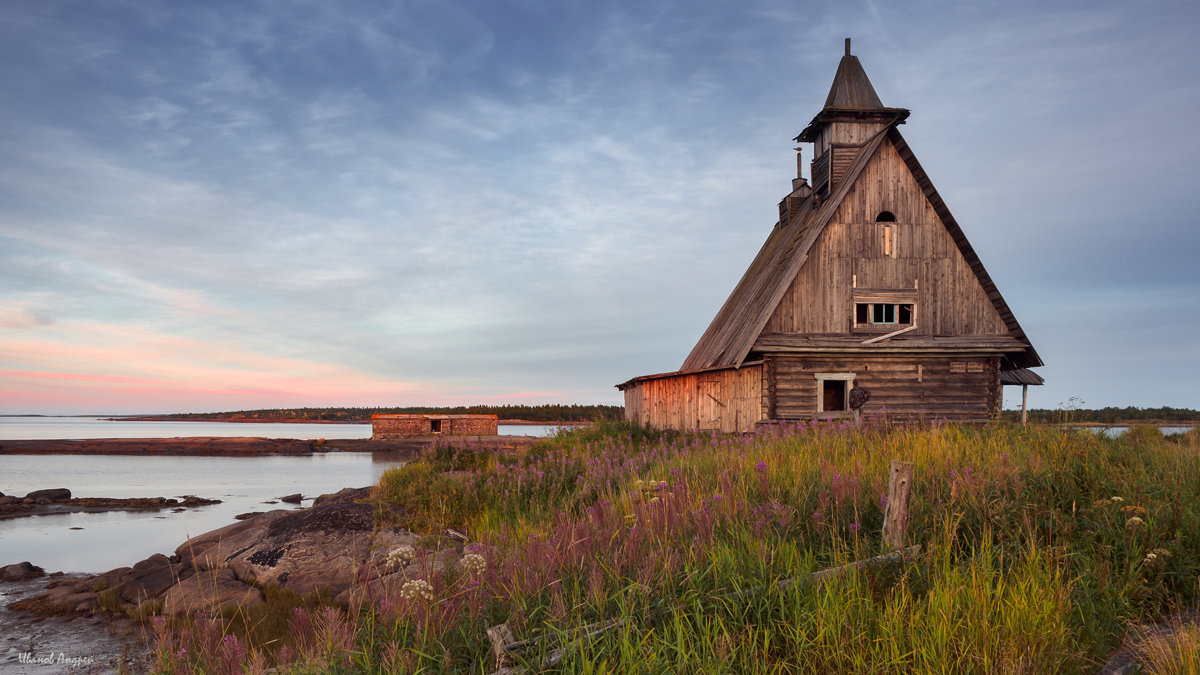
(903, 388)
(852, 252)
(722, 400)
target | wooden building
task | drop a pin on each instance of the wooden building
(866, 280)
(407, 426)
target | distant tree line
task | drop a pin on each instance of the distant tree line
(552, 412)
(1109, 415)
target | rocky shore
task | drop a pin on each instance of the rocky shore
(328, 547)
(59, 500)
(337, 547)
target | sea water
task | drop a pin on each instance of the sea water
(34, 427)
(97, 542)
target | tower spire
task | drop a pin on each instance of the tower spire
(851, 97)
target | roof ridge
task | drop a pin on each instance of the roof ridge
(730, 343)
(1030, 359)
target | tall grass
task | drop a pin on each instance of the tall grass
(1040, 546)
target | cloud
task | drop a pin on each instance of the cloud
(540, 198)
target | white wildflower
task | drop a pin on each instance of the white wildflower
(417, 588)
(1135, 522)
(473, 563)
(1151, 557)
(401, 556)
(1118, 499)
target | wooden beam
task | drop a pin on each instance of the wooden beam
(889, 335)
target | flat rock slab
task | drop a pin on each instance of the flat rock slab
(199, 445)
(212, 591)
(45, 507)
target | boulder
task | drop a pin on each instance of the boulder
(343, 495)
(149, 578)
(5, 501)
(292, 499)
(21, 571)
(318, 548)
(111, 578)
(53, 494)
(211, 591)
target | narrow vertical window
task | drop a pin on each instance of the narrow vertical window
(889, 244)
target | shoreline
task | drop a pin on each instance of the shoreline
(234, 446)
(290, 420)
(101, 505)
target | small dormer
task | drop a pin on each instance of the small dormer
(852, 115)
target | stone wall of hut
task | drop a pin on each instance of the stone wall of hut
(408, 426)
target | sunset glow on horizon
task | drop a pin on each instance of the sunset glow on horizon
(240, 205)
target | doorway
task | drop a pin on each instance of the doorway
(833, 391)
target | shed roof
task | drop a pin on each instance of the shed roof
(1021, 376)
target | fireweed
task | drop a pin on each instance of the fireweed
(682, 535)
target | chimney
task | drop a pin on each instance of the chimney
(799, 181)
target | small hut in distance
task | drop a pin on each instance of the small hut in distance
(386, 427)
(866, 280)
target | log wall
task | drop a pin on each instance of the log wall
(903, 388)
(727, 400)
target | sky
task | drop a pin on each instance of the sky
(254, 203)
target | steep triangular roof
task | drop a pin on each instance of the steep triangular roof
(731, 335)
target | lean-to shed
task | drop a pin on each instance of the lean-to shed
(865, 281)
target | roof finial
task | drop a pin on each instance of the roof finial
(847, 46)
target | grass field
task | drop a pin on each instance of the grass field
(1040, 548)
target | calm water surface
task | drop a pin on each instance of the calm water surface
(107, 540)
(30, 428)
(114, 539)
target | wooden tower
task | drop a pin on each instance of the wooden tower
(866, 281)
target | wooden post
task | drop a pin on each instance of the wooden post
(895, 515)
(1024, 403)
